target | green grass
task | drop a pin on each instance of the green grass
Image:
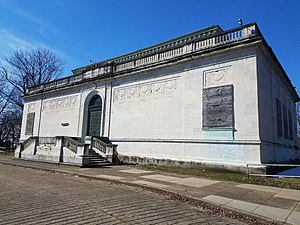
(7, 154)
(291, 183)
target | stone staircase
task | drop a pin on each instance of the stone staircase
(65, 149)
(96, 160)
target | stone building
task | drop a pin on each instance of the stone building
(212, 97)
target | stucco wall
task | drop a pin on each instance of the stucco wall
(145, 111)
(271, 86)
(157, 112)
(152, 106)
(210, 153)
(31, 106)
(60, 111)
(155, 107)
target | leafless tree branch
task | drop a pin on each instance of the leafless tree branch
(21, 70)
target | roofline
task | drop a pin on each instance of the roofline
(116, 75)
(110, 67)
(274, 57)
(199, 34)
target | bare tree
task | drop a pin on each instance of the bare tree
(4, 102)
(26, 68)
(10, 127)
(298, 121)
(21, 70)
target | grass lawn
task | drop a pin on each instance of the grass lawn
(7, 154)
(292, 183)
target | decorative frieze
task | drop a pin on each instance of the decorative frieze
(146, 89)
(216, 77)
(64, 103)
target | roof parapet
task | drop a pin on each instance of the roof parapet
(175, 48)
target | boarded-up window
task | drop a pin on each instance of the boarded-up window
(291, 125)
(285, 122)
(279, 117)
(218, 107)
(29, 124)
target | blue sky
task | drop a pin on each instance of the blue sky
(83, 30)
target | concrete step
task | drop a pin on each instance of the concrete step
(99, 164)
(96, 160)
(96, 157)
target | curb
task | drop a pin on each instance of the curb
(222, 211)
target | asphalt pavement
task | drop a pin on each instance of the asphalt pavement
(249, 203)
(41, 197)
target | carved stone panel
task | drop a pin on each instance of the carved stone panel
(29, 124)
(216, 77)
(148, 89)
(218, 107)
(65, 103)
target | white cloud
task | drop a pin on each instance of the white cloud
(55, 40)
(10, 42)
(25, 14)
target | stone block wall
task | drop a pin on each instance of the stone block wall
(159, 113)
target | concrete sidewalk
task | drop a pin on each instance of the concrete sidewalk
(270, 203)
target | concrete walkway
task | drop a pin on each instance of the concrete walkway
(270, 203)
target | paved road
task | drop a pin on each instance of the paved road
(34, 197)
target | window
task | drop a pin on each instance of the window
(29, 124)
(279, 117)
(290, 125)
(285, 122)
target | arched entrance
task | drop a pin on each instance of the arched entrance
(94, 116)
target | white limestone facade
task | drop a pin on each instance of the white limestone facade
(212, 102)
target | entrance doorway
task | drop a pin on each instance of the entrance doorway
(94, 116)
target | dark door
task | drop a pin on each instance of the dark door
(94, 116)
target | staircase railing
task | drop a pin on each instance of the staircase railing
(46, 140)
(71, 144)
(108, 149)
(98, 144)
(25, 144)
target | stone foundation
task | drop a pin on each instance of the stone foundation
(210, 166)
